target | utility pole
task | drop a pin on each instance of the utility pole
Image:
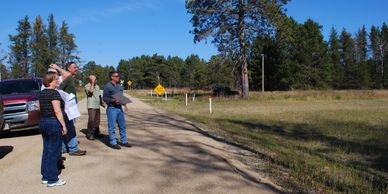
(262, 72)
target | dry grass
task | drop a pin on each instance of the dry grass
(330, 141)
(81, 93)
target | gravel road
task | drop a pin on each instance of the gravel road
(168, 156)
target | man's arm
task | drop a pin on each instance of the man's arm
(89, 90)
(108, 99)
(65, 74)
(105, 94)
(92, 80)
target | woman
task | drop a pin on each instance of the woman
(52, 126)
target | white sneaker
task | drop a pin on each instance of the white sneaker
(44, 182)
(60, 182)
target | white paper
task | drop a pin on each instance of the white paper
(71, 107)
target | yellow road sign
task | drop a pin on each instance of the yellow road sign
(159, 89)
(129, 82)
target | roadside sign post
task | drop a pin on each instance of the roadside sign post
(210, 104)
(186, 98)
(159, 89)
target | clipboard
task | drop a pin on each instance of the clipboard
(121, 98)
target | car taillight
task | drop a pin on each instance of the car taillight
(32, 105)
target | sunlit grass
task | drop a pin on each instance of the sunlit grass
(331, 141)
(81, 93)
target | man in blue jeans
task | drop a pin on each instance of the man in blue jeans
(70, 143)
(114, 111)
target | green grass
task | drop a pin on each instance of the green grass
(322, 141)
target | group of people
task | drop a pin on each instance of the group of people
(57, 99)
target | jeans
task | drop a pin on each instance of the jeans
(70, 141)
(50, 129)
(116, 115)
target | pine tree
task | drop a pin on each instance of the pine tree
(39, 48)
(175, 65)
(200, 78)
(137, 72)
(220, 71)
(361, 57)
(52, 37)
(376, 46)
(348, 60)
(67, 46)
(124, 67)
(234, 25)
(20, 54)
(287, 70)
(264, 45)
(384, 51)
(334, 52)
(312, 55)
(3, 69)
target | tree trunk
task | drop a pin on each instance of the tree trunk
(242, 54)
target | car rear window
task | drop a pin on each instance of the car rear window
(19, 86)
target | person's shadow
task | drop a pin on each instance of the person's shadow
(100, 137)
(4, 150)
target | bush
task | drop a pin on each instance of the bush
(220, 90)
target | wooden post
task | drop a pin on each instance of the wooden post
(186, 98)
(210, 104)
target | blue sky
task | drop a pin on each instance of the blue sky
(109, 30)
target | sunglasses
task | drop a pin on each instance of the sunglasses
(116, 76)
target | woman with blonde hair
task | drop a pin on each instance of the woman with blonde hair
(52, 127)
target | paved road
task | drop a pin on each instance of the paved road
(168, 156)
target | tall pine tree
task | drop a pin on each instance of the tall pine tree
(348, 60)
(20, 54)
(334, 53)
(361, 52)
(67, 46)
(234, 25)
(384, 51)
(52, 38)
(39, 48)
(376, 46)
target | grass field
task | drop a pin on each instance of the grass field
(313, 141)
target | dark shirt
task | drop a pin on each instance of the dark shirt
(68, 85)
(109, 90)
(45, 98)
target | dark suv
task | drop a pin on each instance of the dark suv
(20, 103)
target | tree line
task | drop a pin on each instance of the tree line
(296, 57)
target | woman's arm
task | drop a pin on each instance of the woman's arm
(58, 113)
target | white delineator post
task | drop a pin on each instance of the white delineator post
(151, 92)
(210, 104)
(186, 98)
(165, 95)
